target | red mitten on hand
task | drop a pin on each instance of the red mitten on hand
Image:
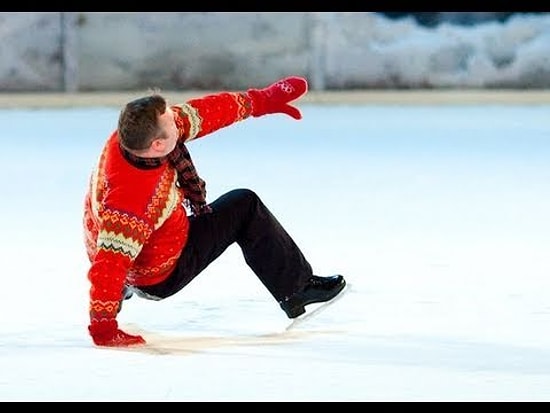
(276, 97)
(106, 333)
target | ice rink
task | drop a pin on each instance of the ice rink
(438, 216)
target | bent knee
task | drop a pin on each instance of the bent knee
(246, 198)
(245, 193)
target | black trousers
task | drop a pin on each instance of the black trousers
(239, 216)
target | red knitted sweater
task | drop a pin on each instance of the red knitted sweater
(135, 223)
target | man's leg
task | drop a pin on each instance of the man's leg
(240, 216)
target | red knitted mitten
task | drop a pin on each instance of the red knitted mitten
(276, 97)
(106, 333)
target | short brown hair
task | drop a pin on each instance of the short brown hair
(137, 123)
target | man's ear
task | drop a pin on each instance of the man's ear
(158, 145)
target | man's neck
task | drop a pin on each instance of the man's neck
(142, 159)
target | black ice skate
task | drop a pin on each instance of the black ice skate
(317, 290)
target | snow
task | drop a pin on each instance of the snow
(370, 50)
(436, 215)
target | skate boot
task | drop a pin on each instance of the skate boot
(316, 290)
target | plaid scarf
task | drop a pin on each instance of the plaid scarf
(189, 180)
(193, 186)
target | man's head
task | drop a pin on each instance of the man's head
(147, 128)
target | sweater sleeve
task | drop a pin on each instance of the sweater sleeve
(120, 239)
(202, 116)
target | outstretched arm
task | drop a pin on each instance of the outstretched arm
(202, 116)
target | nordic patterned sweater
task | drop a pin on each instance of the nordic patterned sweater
(135, 223)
